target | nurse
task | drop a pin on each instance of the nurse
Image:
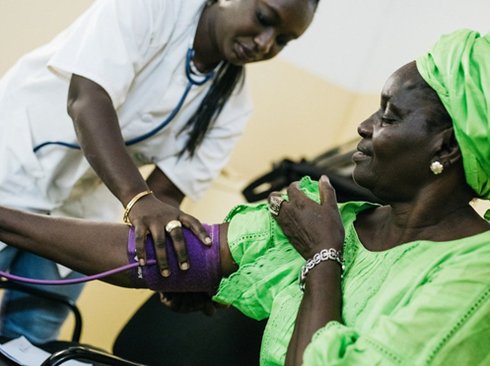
(129, 83)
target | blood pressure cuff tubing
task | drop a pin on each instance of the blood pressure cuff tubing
(204, 274)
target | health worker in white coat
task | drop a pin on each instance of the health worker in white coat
(129, 83)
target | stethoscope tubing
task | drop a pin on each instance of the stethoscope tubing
(171, 116)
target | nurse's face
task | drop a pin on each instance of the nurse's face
(255, 30)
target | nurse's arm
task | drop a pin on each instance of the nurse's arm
(164, 189)
(97, 127)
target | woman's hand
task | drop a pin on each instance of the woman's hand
(150, 216)
(310, 226)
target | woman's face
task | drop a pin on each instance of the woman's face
(255, 30)
(394, 156)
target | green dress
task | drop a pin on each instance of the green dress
(421, 303)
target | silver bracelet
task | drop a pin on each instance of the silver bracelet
(322, 256)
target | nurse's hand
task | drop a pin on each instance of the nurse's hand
(150, 216)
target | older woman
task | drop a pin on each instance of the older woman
(414, 288)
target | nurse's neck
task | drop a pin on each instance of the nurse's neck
(207, 55)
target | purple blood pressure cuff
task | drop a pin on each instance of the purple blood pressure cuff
(204, 274)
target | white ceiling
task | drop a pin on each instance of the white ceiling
(358, 43)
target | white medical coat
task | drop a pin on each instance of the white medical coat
(136, 50)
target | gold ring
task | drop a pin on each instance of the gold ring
(172, 224)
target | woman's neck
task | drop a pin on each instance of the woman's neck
(206, 50)
(399, 223)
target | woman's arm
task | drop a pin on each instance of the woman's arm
(311, 227)
(85, 246)
(434, 311)
(322, 302)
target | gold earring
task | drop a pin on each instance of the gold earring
(436, 167)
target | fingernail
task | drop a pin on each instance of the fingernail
(324, 178)
(166, 273)
(184, 265)
(208, 240)
(142, 262)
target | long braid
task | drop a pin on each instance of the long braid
(202, 120)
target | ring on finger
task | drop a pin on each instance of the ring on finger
(172, 224)
(275, 203)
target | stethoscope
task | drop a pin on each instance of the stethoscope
(191, 81)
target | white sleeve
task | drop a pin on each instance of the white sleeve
(111, 42)
(194, 176)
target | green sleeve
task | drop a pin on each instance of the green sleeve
(445, 321)
(267, 262)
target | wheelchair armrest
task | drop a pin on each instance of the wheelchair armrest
(10, 285)
(82, 353)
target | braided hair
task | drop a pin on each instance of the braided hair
(225, 81)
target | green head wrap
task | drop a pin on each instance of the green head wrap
(458, 69)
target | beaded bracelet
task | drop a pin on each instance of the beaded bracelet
(322, 256)
(131, 204)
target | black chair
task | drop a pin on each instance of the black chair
(158, 336)
(87, 354)
(63, 351)
(70, 304)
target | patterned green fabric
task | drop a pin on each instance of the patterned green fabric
(458, 69)
(421, 303)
